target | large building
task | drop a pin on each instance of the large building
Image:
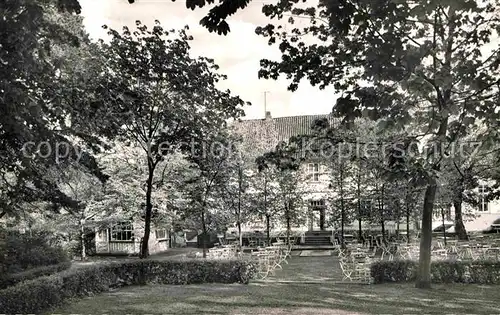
(317, 190)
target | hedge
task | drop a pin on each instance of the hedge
(12, 279)
(479, 271)
(44, 293)
(21, 252)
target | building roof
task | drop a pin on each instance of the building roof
(286, 127)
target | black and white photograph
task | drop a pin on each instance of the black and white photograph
(303, 157)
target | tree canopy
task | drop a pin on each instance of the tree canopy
(424, 67)
(35, 113)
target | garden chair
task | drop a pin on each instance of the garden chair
(274, 255)
(343, 253)
(281, 254)
(362, 270)
(347, 268)
(263, 265)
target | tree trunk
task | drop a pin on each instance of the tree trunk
(268, 216)
(82, 236)
(288, 230)
(342, 219)
(382, 226)
(240, 187)
(360, 231)
(149, 208)
(424, 263)
(407, 203)
(268, 229)
(382, 214)
(240, 236)
(288, 219)
(204, 231)
(342, 210)
(358, 193)
(459, 222)
(407, 223)
(443, 98)
(444, 230)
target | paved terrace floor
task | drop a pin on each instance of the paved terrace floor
(312, 268)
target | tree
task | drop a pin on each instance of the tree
(212, 160)
(32, 108)
(288, 182)
(265, 195)
(126, 188)
(425, 63)
(160, 97)
(331, 147)
(253, 141)
(214, 21)
(472, 162)
(235, 190)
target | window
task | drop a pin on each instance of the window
(123, 231)
(483, 206)
(313, 171)
(317, 203)
(161, 234)
(366, 208)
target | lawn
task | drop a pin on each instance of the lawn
(291, 298)
(306, 285)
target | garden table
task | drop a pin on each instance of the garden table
(492, 252)
(440, 253)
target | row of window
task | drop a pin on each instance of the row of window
(313, 171)
(367, 207)
(124, 231)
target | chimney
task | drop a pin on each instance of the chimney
(268, 115)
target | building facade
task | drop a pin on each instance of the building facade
(125, 238)
(318, 194)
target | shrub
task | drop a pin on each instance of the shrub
(22, 251)
(12, 279)
(480, 271)
(393, 271)
(41, 294)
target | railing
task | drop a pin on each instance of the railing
(121, 247)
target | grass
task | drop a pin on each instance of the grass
(291, 298)
(307, 285)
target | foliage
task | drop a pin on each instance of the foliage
(24, 251)
(265, 195)
(213, 162)
(479, 271)
(285, 164)
(125, 191)
(30, 274)
(422, 67)
(256, 140)
(39, 295)
(33, 109)
(160, 98)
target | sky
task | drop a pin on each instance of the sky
(238, 54)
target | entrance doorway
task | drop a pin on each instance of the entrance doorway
(317, 211)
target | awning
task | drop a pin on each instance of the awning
(482, 222)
